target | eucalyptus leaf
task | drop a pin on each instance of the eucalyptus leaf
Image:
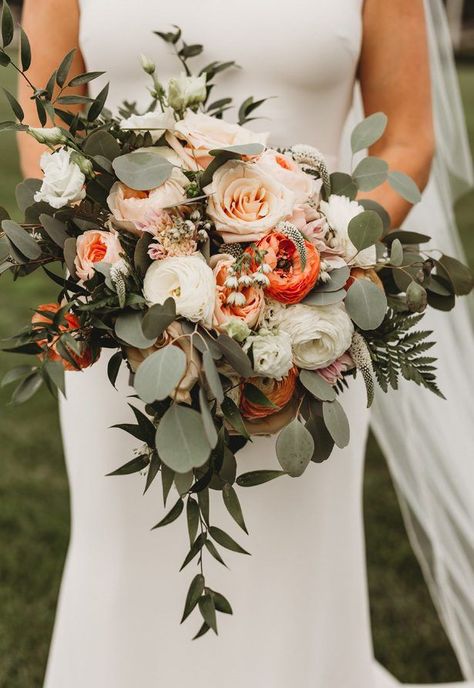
(336, 422)
(240, 149)
(370, 204)
(337, 279)
(365, 229)
(102, 143)
(324, 298)
(367, 132)
(25, 192)
(142, 170)
(21, 239)
(207, 419)
(370, 173)
(212, 377)
(318, 387)
(342, 184)
(396, 253)
(235, 355)
(406, 237)
(294, 448)
(366, 304)
(234, 417)
(55, 229)
(159, 374)
(323, 442)
(459, 274)
(128, 328)
(158, 318)
(405, 186)
(181, 439)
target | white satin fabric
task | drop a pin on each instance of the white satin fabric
(300, 602)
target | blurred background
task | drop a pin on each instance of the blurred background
(34, 514)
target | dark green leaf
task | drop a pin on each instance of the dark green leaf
(85, 78)
(64, 67)
(336, 423)
(20, 238)
(234, 354)
(323, 442)
(102, 143)
(153, 469)
(294, 448)
(365, 229)
(234, 417)
(221, 603)
(134, 466)
(98, 104)
(208, 611)
(207, 419)
(194, 593)
(8, 29)
(70, 255)
(192, 515)
(172, 515)
(318, 387)
(232, 504)
(214, 552)
(15, 105)
(367, 132)
(253, 478)
(113, 367)
(459, 275)
(167, 478)
(16, 374)
(196, 547)
(25, 51)
(55, 229)
(181, 440)
(256, 396)
(158, 318)
(225, 540)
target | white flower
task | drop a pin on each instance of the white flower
(272, 353)
(186, 91)
(154, 122)
(339, 211)
(188, 280)
(148, 65)
(63, 181)
(237, 329)
(319, 334)
(51, 136)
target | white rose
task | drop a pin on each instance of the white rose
(339, 211)
(51, 136)
(245, 202)
(272, 353)
(319, 334)
(188, 280)
(287, 172)
(154, 122)
(186, 91)
(63, 181)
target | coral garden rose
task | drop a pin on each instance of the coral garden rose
(96, 246)
(287, 172)
(249, 312)
(339, 211)
(188, 280)
(246, 203)
(319, 334)
(197, 134)
(44, 316)
(280, 392)
(63, 180)
(193, 365)
(288, 282)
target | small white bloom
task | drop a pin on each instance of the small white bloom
(272, 353)
(186, 91)
(245, 280)
(148, 65)
(188, 280)
(339, 211)
(231, 282)
(236, 298)
(63, 181)
(154, 122)
(260, 279)
(51, 136)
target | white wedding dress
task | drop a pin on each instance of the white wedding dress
(301, 615)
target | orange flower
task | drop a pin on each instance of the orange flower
(360, 273)
(280, 392)
(288, 282)
(84, 360)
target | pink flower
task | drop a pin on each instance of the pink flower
(314, 227)
(332, 373)
(96, 246)
(287, 172)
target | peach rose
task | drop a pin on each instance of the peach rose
(245, 203)
(280, 392)
(96, 246)
(193, 365)
(288, 282)
(287, 172)
(50, 350)
(223, 311)
(202, 133)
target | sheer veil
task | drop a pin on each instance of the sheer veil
(427, 441)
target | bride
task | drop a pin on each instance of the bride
(301, 604)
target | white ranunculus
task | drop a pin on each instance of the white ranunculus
(63, 181)
(319, 334)
(186, 91)
(339, 211)
(51, 136)
(188, 280)
(272, 353)
(155, 122)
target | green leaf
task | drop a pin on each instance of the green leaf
(232, 504)
(367, 132)
(158, 375)
(366, 304)
(459, 275)
(396, 253)
(4, 60)
(7, 25)
(21, 239)
(55, 229)
(336, 423)
(16, 374)
(212, 376)
(181, 439)
(55, 372)
(98, 104)
(204, 505)
(202, 631)
(405, 186)
(128, 328)
(70, 253)
(240, 149)
(253, 478)
(234, 417)
(113, 367)
(192, 515)
(343, 185)
(174, 513)
(15, 105)
(134, 466)
(234, 354)
(183, 482)
(102, 143)
(167, 478)
(194, 593)
(225, 540)
(323, 442)
(142, 170)
(369, 204)
(370, 173)
(25, 191)
(208, 611)
(365, 229)
(158, 318)
(416, 297)
(214, 552)
(322, 297)
(221, 603)
(25, 50)
(294, 448)
(338, 278)
(318, 387)
(208, 421)
(84, 78)
(64, 67)
(196, 547)
(406, 237)
(153, 469)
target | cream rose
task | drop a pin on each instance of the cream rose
(189, 280)
(339, 211)
(63, 181)
(197, 134)
(96, 246)
(271, 352)
(287, 172)
(246, 203)
(319, 334)
(154, 122)
(137, 207)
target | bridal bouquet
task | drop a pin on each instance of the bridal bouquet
(244, 286)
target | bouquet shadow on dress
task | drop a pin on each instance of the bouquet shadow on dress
(243, 286)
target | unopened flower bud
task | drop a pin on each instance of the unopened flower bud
(186, 91)
(83, 163)
(416, 297)
(237, 329)
(147, 65)
(51, 136)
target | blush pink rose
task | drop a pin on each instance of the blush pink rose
(314, 227)
(288, 173)
(96, 246)
(223, 311)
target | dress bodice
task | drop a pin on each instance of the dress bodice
(303, 54)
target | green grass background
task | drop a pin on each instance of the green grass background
(34, 514)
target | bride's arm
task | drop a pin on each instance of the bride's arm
(394, 77)
(53, 29)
